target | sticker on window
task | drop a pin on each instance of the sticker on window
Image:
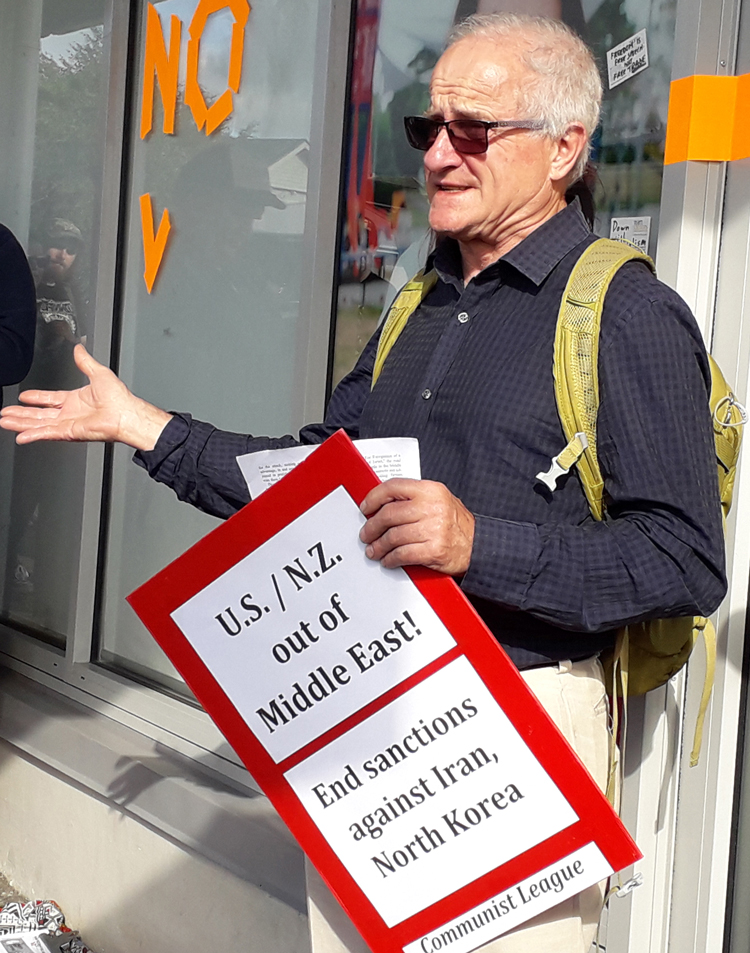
(627, 59)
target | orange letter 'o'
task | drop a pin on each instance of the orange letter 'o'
(212, 117)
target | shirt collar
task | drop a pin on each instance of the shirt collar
(535, 257)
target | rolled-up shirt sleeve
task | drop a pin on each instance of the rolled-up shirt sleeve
(660, 550)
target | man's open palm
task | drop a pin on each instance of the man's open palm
(104, 409)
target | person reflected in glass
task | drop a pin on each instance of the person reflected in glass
(46, 486)
(569, 11)
(60, 312)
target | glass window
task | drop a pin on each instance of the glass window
(385, 233)
(54, 68)
(219, 333)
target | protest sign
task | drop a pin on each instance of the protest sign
(379, 714)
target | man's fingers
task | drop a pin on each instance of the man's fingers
(86, 363)
(50, 432)
(412, 555)
(38, 398)
(388, 492)
(17, 423)
(37, 423)
(397, 536)
(28, 415)
(20, 424)
(417, 522)
(396, 513)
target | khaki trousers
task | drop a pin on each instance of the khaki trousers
(573, 694)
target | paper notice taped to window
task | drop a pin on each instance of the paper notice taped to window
(627, 59)
(633, 230)
(388, 456)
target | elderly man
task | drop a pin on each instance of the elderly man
(514, 101)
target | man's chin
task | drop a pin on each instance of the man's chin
(452, 222)
(443, 229)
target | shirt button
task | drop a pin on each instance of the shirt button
(463, 317)
(426, 393)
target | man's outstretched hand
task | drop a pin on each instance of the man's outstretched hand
(417, 523)
(102, 410)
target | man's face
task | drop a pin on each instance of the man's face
(479, 198)
(60, 260)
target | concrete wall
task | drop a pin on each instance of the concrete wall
(126, 882)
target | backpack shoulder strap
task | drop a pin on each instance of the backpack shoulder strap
(576, 358)
(406, 303)
(728, 417)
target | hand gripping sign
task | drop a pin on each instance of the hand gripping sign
(382, 719)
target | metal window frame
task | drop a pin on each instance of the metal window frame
(682, 816)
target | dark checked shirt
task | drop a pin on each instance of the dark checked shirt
(471, 378)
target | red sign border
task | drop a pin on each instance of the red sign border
(337, 463)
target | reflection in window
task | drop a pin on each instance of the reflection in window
(385, 235)
(58, 174)
(219, 336)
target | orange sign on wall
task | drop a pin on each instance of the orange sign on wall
(709, 119)
(161, 67)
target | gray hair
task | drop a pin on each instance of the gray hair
(565, 86)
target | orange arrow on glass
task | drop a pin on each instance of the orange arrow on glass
(153, 244)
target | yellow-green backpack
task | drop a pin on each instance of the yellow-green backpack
(649, 653)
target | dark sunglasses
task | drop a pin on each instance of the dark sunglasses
(467, 136)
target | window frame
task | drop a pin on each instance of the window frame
(681, 816)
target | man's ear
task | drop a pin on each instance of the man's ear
(568, 148)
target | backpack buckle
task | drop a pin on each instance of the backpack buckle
(562, 463)
(731, 404)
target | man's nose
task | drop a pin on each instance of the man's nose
(442, 153)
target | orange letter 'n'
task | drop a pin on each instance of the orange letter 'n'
(162, 66)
